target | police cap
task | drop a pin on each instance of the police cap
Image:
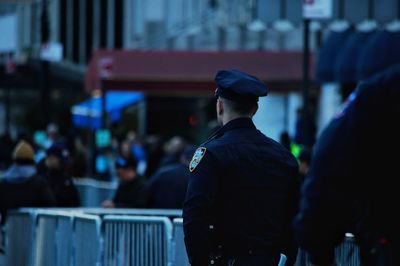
(236, 85)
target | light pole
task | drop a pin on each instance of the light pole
(45, 82)
(306, 82)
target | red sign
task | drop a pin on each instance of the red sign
(317, 9)
(106, 67)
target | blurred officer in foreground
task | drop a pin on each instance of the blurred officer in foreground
(243, 189)
(351, 185)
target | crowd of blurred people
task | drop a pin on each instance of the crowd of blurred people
(39, 170)
(150, 172)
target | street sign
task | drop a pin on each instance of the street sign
(103, 138)
(317, 9)
(105, 67)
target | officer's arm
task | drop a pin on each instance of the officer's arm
(290, 246)
(325, 207)
(198, 209)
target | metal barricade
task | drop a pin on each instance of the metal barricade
(45, 240)
(347, 253)
(64, 240)
(179, 256)
(87, 240)
(21, 233)
(93, 192)
(171, 213)
(53, 238)
(137, 240)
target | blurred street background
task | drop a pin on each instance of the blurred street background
(155, 61)
(95, 81)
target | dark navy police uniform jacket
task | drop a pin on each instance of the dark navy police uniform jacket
(242, 196)
(351, 185)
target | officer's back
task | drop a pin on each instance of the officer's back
(242, 192)
(259, 187)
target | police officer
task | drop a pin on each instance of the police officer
(243, 190)
(351, 185)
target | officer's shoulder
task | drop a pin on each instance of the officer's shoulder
(279, 149)
(214, 143)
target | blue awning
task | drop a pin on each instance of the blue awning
(88, 114)
(381, 51)
(328, 55)
(346, 63)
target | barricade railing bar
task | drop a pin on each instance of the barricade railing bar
(87, 239)
(54, 238)
(172, 213)
(137, 240)
(45, 250)
(20, 238)
(93, 192)
(347, 253)
(180, 257)
(64, 240)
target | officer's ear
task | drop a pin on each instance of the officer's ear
(220, 107)
(255, 109)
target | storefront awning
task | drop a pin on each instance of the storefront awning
(191, 73)
(88, 114)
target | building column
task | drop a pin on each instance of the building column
(111, 24)
(128, 21)
(54, 15)
(70, 30)
(82, 32)
(96, 25)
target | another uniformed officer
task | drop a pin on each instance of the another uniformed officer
(351, 185)
(243, 189)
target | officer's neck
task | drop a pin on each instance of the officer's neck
(228, 117)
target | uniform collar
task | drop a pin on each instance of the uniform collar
(242, 122)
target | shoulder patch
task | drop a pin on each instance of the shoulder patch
(349, 101)
(198, 155)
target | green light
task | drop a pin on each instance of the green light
(295, 149)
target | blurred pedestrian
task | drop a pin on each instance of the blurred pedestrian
(243, 188)
(130, 192)
(352, 182)
(173, 149)
(54, 169)
(52, 135)
(167, 188)
(79, 158)
(285, 140)
(304, 162)
(20, 186)
(154, 147)
(305, 128)
(6, 147)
